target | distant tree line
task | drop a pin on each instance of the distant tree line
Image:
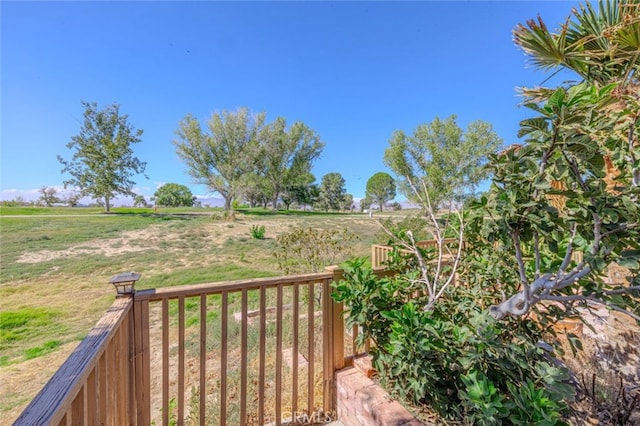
(247, 160)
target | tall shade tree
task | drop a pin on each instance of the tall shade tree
(301, 193)
(139, 201)
(347, 202)
(103, 162)
(174, 195)
(440, 161)
(332, 192)
(220, 157)
(381, 188)
(286, 156)
(48, 196)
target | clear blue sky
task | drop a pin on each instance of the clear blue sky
(353, 71)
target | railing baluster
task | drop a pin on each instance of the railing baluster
(77, 408)
(142, 367)
(354, 333)
(278, 354)
(311, 347)
(111, 382)
(165, 361)
(223, 357)
(203, 358)
(91, 397)
(181, 369)
(101, 389)
(243, 360)
(327, 347)
(294, 348)
(261, 374)
(123, 372)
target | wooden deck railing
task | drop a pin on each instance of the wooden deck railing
(380, 253)
(243, 352)
(96, 384)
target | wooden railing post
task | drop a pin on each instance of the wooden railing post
(333, 338)
(139, 359)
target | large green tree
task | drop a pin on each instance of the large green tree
(381, 188)
(221, 157)
(331, 192)
(103, 162)
(440, 162)
(174, 195)
(286, 155)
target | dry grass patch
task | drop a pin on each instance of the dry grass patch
(63, 264)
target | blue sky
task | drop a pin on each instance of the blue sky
(353, 71)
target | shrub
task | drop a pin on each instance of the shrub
(225, 215)
(416, 224)
(454, 357)
(309, 250)
(257, 232)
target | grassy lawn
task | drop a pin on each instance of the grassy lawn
(55, 264)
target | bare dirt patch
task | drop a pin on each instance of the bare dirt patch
(216, 234)
(129, 241)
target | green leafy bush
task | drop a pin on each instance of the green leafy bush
(257, 232)
(418, 225)
(455, 357)
(307, 250)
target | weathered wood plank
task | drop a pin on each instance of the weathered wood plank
(294, 348)
(311, 348)
(327, 347)
(165, 362)
(279, 354)
(243, 359)
(224, 306)
(181, 365)
(262, 354)
(142, 361)
(203, 358)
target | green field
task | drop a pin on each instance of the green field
(55, 265)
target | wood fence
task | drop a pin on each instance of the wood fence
(182, 355)
(381, 253)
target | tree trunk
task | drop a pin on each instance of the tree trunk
(227, 203)
(107, 204)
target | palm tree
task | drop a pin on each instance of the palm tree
(601, 45)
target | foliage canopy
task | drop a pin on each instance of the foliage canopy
(174, 195)
(381, 188)
(103, 162)
(439, 161)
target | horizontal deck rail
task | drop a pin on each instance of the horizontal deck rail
(380, 253)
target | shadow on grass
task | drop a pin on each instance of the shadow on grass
(162, 216)
(269, 212)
